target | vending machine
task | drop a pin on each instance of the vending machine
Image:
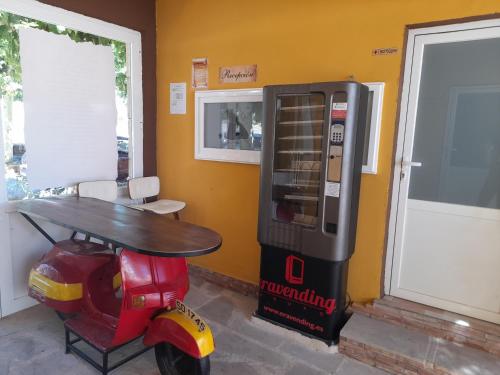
(313, 138)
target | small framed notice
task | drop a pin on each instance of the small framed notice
(178, 98)
(237, 74)
(200, 74)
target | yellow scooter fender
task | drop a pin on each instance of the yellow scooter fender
(182, 328)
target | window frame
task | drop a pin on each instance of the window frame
(375, 126)
(131, 38)
(222, 96)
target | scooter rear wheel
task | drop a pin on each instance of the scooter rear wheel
(172, 361)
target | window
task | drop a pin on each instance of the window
(128, 88)
(228, 125)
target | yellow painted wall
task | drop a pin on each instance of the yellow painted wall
(292, 42)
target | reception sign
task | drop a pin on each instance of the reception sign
(237, 74)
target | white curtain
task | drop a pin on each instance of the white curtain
(70, 110)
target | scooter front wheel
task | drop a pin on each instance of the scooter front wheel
(172, 361)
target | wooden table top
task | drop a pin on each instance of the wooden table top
(140, 231)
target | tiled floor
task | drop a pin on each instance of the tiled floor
(31, 342)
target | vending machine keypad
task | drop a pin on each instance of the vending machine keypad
(337, 134)
(335, 152)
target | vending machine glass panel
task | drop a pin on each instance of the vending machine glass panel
(297, 158)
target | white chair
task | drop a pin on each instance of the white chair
(149, 187)
(103, 190)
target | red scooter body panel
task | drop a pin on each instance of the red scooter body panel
(63, 273)
(149, 284)
(68, 261)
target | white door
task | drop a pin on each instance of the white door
(444, 240)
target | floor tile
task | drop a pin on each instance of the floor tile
(322, 360)
(302, 369)
(464, 360)
(232, 368)
(387, 336)
(232, 345)
(352, 367)
(246, 327)
(25, 319)
(196, 298)
(219, 310)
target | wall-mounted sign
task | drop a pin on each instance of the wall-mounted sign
(178, 98)
(384, 51)
(237, 74)
(200, 74)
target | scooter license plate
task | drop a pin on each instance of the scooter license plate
(186, 311)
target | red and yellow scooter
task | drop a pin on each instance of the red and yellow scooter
(109, 300)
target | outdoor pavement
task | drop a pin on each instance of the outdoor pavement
(32, 342)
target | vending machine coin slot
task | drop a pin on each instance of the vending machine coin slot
(331, 228)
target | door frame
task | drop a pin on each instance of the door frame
(417, 38)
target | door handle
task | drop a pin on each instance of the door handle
(406, 163)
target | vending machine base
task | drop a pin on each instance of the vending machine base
(302, 293)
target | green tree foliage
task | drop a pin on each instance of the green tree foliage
(10, 62)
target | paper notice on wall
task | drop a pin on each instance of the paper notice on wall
(200, 73)
(70, 110)
(178, 98)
